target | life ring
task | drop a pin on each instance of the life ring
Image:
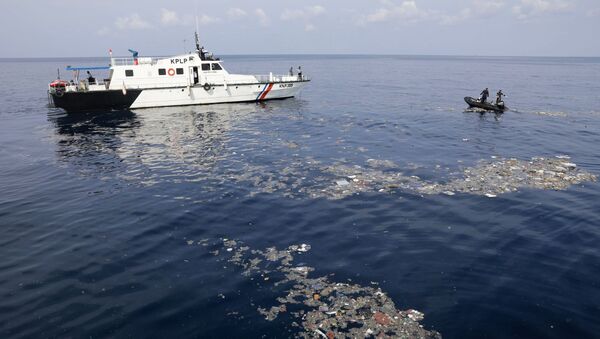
(206, 86)
(171, 72)
(59, 92)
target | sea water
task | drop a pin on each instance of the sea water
(109, 222)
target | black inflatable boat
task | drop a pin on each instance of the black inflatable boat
(472, 102)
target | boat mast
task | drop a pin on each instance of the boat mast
(199, 50)
(197, 43)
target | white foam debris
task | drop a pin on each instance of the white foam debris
(304, 248)
(342, 182)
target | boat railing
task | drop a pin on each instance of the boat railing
(280, 78)
(84, 85)
(134, 61)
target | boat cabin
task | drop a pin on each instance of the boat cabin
(182, 70)
(146, 72)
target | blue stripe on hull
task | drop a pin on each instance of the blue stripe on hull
(261, 92)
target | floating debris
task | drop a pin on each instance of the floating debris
(342, 182)
(323, 308)
(374, 163)
(552, 114)
(291, 144)
(366, 179)
(488, 178)
(272, 313)
(508, 175)
(302, 248)
(306, 177)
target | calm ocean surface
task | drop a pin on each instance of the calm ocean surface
(96, 210)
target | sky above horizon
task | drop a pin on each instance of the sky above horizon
(65, 28)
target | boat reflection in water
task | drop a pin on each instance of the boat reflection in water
(149, 146)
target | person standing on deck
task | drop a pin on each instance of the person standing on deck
(292, 71)
(135, 56)
(484, 95)
(91, 79)
(499, 96)
(299, 72)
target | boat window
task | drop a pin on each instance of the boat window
(179, 70)
(129, 72)
(206, 67)
(162, 71)
(216, 67)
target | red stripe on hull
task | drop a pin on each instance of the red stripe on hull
(264, 95)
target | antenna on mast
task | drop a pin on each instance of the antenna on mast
(196, 17)
(199, 50)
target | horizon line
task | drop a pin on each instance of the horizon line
(325, 54)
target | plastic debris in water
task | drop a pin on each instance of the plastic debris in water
(342, 182)
(322, 307)
(305, 177)
(304, 248)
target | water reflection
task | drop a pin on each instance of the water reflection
(89, 123)
(150, 145)
(90, 142)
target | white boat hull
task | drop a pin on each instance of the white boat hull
(198, 95)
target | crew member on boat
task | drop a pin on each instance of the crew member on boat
(299, 72)
(135, 56)
(484, 95)
(91, 79)
(499, 96)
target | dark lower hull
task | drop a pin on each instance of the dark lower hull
(115, 100)
(472, 102)
(95, 100)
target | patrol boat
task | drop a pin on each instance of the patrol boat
(190, 79)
